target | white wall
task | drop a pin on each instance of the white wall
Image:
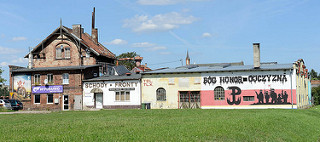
(109, 95)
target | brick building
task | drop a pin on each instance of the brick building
(57, 66)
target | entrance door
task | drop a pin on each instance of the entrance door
(189, 99)
(65, 102)
(99, 101)
(77, 102)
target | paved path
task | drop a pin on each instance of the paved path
(22, 112)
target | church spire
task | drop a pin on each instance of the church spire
(187, 59)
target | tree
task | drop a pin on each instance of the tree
(316, 95)
(129, 64)
(3, 90)
(314, 75)
(2, 80)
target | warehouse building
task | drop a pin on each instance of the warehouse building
(228, 86)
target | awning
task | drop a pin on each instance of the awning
(96, 90)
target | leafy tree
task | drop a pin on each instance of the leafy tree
(129, 64)
(2, 80)
(314, 75)
(3, 90)
(316, 95)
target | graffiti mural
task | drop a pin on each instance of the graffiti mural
(22, 85)
(264, 97)
(235, 91)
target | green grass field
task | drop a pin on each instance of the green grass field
(164, 125)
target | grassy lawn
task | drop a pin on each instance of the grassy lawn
(164, 125)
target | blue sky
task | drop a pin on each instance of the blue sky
(161, 31)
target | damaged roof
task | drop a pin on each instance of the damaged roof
(97, 48)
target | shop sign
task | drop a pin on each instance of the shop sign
(47, 89)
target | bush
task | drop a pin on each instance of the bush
(316, 95)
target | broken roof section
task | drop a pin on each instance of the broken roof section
(85, 40)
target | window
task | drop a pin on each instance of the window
(67, 52)
(88, 54)
(50, 99)
(37, 79)
(123, 96)
(65, 78)
(59, 52)
(50, 78)
(37, 99)
(218, 93)
(161, 94)
(248, 98)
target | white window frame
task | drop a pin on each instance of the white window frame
(48, 99)
(65, 80)
(126, 96)
(219, 93)
(34, 99)
(48, 78)
(36, 80)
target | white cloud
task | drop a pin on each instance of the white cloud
(206, 35)
(20, 60)
(143, 44)
(3, 64)
(19, 39)
(5, 50)
(3, 36)
(165, 53)
(164, 2)
(156, 48)
(117, 42)
(160, 22)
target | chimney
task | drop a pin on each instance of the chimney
(94, 31)
(256, 55)
(187, 59)
(76, 30)
(30, 60)
(138, 60)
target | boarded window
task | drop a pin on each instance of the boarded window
(161, 94)
(67, 52)
(219, 93)
(59, 52)
(248, 98)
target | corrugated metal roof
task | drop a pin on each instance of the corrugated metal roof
(222, 68)
(54, 68)
(115, 77)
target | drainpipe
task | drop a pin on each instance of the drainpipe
(291, 88)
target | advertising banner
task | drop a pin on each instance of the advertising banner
(22, 85)
(47, 89)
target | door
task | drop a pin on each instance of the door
(189, 99)
(65, 102)
(99, 101)
(77, 102)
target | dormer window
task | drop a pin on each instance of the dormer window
(67, 52)
(59, 52)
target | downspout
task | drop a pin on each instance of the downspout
(291, 88)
